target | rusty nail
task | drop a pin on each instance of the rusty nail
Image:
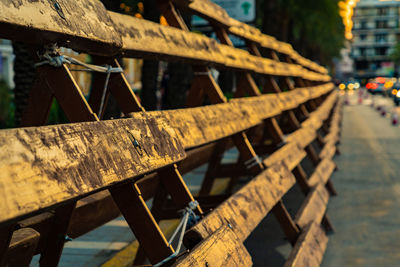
(135, 143)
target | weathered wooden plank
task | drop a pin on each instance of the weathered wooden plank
(81, 25)
(302, 136)
(141, 221)
(222, 248)
(329, 150)
(248, 32)
(310, 247)
(322, 172)
(22, 247)
(97, 209)
(242, 60)
(141, 38)
(313, 122)
(317, 117)
(317, 91)
(206, 9)
(288, 100)
(202, 125)
(290, 153)
(308, 63)
(92, 212)
(247, 207)
(333, 136)
(302, 94)
(313, 207)
(145, 38)
(217, 15)
(265, 106)
(44, 166)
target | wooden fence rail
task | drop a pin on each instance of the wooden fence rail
(70, 179)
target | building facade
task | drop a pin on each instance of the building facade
(376, 31)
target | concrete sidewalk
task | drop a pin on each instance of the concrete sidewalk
(366, 213)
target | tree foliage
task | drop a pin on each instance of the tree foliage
(314, 28)
(395, 55)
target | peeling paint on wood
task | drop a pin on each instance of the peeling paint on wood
(142, 37)
(44, 166)
(86, 26)
(202, 125)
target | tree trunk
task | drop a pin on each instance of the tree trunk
(24, 77)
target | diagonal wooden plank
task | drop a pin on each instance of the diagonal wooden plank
(45, 166)
(314, 207)
(302, 136)
(310, 247)
(223, 248)
(290, 153)
(322, 172)
(247, 207)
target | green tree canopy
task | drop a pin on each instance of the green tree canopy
(314, 28)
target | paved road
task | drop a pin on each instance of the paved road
(366, 214)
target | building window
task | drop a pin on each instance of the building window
(363, 25)
(381, 51)
(381, 24)
(362, 51)
(383, 11)
(363, 37)
(381, 38)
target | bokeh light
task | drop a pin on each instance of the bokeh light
(346, 12)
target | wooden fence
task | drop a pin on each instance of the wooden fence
(66, 180)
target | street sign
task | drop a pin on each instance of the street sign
(242, 10)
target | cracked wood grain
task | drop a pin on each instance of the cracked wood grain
(45, 166)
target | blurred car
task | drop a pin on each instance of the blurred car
(349, 85)
(381, 85)
(396, 94)
(374, 87)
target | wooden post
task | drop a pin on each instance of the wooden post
(142, 223)
(290, 229)
(214, 163)
(5, 238)
(173, 182)
(57, 235)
